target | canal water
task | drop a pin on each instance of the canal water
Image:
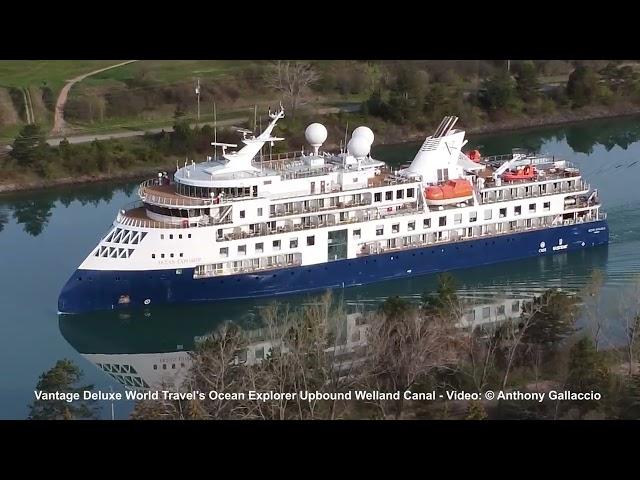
(44, 235)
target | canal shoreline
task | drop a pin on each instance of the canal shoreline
(511, 125)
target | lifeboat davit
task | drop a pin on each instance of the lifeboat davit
(526, 173)
(453, 191)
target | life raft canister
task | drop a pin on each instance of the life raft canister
(474, 155)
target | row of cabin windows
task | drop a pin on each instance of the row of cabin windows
(171, 255)
(209, 192)
(171, 236)
(164, 366)
(388, 195)
(276, 244)
(457, 219)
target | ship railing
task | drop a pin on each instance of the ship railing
(580, 187)
(125, 218)
(149, 195)
(373, 248)
(302, 211)
(235, 270)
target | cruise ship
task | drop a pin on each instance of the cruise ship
(250, 225)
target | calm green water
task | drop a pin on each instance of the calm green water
(45, 235)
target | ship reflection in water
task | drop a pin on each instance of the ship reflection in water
(150, 349)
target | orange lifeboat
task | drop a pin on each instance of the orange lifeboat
(452, 191)
(526, 173)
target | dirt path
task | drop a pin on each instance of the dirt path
(58, 120)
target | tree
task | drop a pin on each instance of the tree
(586, 371)
(475, 411)
(291, 79)
(499, 92)
(553, 316)
(65, 377)
(28, 144)
(527, 84)
(582, 86)
(444, 302)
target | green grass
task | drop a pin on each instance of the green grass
(170, 71)
(22, 73)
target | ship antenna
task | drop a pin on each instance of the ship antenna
(215, 132)
(346, 131)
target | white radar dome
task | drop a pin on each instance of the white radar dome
(363, 132)
(359, 147)
(316, 134)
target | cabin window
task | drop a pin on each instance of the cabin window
(153, 255)
(547, 206)
(171, 255)
(388, 195)
(259, 247)
(517, 210)
(276, 244)
(161, 237)
(411, 226)
(487, 214)
(377, 196)
(224, 252)
(443, 174)
(503, 212)
(486, 312)
(357, 233)
(515, 307)
(259, 212)
(293, 243)
(473, 216)
(500, 310)
(162, 255)
(380, 230)
(171, 237)
(426, 223)
(400, 194)
(532, 207)
(311, 240)
(457, 219)
(442, 221)
(242, 213)
(410, 192)
(395, 228)
(181, 255)
(189, 235)
(242, 249)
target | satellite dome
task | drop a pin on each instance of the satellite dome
(359, 147)
(316, 134)
(363, 132)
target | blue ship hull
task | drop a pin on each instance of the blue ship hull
(90, 290)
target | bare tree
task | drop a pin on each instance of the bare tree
(404, 348)
(591, 305)
(291, 79)
(629, 312)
